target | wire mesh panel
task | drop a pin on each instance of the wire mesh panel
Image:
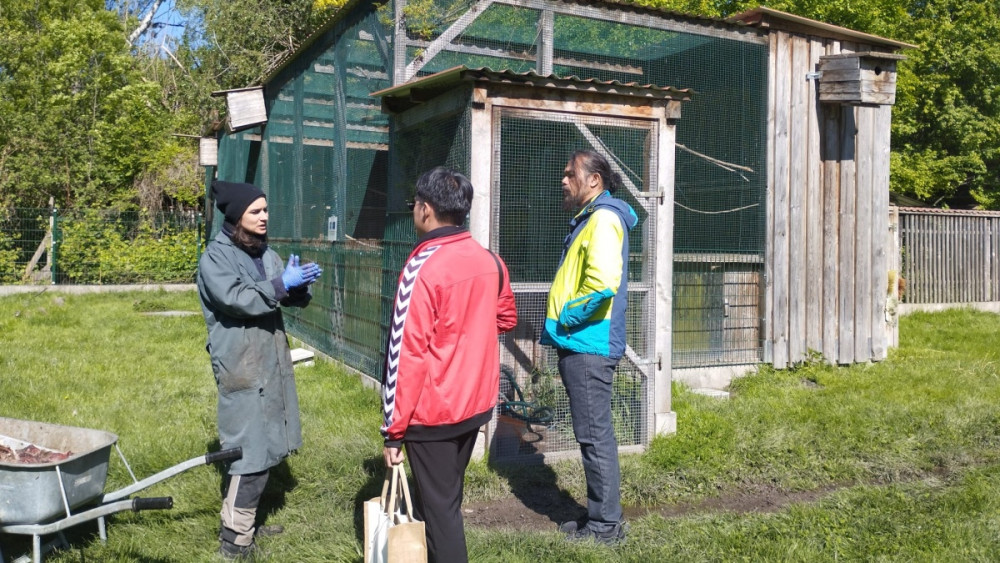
(500, 37)
(322, 159)
(533, 148)
(98, 246)
(25, 240)
(720, 183)
(323, 155)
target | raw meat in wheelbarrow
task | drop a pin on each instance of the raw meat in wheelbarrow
(31, 454)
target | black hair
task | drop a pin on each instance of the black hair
(247, 241)
(448, 192)
(593, 162)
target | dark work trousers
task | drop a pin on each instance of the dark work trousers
(439, 472)
(587, 379)
(239, 508)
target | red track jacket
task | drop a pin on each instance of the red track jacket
(443, 357)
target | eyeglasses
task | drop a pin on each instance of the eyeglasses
(411, 204)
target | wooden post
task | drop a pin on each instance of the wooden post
(781, 186)
(543, 58)
(831, 231)
(863, 235)
(798, 161)
(481, 214)
(481, 168)
(399, 43)
(814, 224)
(847, 228)
(664, 419)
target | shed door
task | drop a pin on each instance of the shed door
(530, 149)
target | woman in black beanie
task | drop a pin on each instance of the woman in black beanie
(241, 285)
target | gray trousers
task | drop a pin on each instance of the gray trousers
(587, 379)
(239, 508)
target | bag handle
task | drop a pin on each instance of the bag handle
(405, 487)
(388, 499)
(394, 483)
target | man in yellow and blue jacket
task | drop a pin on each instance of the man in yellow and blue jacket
(585, 322)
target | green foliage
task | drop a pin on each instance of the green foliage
(9, 272)
(77, 117)
(240, 41)
(107, 248)
(947, 118)
(426, 18)
(946, 121)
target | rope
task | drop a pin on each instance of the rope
(715, 212)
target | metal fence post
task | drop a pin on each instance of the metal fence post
(54, 254)
(198, 237)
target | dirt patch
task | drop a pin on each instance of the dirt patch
(545, 509)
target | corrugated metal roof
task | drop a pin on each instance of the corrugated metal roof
(956, 212)
(762, 17)
(448, 78)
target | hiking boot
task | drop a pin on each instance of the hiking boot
(575, 533)
(230, 550)
(269, 530)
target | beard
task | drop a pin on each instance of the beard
(569, 202)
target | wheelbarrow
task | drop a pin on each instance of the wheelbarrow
(39, 499)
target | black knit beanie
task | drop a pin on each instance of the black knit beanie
(233, 198)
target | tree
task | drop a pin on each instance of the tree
(946, 121)
(77, 116)
(240, 41)
(946, 127)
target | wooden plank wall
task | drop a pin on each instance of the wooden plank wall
(950, 257)
(828, 204)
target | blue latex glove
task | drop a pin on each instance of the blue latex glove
(296, 275)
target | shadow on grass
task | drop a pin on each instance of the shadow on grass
(375, 470)
(279, 482)
(535, 485)
(18, 547)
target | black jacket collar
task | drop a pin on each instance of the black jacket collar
(441, 232)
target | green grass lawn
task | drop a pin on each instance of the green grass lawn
(898, 460)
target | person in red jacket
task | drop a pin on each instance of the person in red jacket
(443, 358)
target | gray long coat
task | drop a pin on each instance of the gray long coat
(258, 405)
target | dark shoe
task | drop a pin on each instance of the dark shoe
(269, 530)
(569, 527)
(230, 550)
(614, 536)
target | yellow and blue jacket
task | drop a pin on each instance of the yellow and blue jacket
(586, 306)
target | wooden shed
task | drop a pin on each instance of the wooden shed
(487, 122)
(828, 197)
(778, 233)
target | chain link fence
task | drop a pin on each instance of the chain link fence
(98, 246)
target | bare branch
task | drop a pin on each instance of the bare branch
(145, 22)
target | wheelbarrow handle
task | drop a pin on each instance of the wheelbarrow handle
(152, 503)
(224, 455)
